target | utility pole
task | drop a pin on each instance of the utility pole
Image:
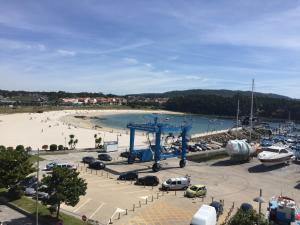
(237, 118)
(251, 113)
(37, 188)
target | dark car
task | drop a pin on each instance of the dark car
(88, 159)
(97, 165)
(128, 176)
(246, 207)
(28, 181)
(148, 181)
(218, 207)
(124, 154)
(104, 157)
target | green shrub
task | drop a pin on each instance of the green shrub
(53, 147)
(15, 192)
(60, 147)
(20, 147)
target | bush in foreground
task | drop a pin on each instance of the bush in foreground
(250, 217)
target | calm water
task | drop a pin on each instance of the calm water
(199, 123)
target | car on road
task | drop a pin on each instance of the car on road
(148, 181)
(104, 157)
(178, 183)
(218, 207)
(88, 159)
(246, 207)
(129, 176)
(97, 165)
(196, 191)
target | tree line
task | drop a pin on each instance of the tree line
(268, 107)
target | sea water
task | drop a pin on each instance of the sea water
(199, 123)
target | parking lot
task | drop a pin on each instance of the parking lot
(108, 198)
(9, 216)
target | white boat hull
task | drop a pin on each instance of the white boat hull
(276, 161)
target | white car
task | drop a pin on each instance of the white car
(52, 165)
(178, 183)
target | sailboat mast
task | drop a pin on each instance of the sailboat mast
(251, 114)
(237, 118)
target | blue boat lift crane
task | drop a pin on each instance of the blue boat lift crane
(158, 129)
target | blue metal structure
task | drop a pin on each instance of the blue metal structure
(158, 129)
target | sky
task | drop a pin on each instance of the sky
(142, 46)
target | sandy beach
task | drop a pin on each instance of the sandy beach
(38, 129)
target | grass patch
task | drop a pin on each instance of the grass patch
(34, 158)
(30, 206)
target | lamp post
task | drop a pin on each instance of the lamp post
(37, 188)
(260, 200)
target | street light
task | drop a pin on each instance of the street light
(260, 200)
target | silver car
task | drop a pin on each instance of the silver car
(178, 183)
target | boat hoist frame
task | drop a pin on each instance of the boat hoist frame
(158, 129)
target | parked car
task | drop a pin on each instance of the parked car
(104, 157)
(192, 148)
(246, 207)
(97, 165)
(206, 215)
(128, 176)
(28, 181)
(41, 195)
(218, 207)
(88, 159)
(124, 154)
(64, 165)
(148, 181)
(29, 191)
(52, 165)
(178, 183)
(196, 191)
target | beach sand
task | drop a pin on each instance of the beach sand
(38, 129)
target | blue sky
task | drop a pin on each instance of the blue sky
(133, 46)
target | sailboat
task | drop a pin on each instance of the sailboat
(241, 150)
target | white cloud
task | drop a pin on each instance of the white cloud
(64, 52)
(131, 61)
(6, 44)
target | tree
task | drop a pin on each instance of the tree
(97, 141)
(45, 147)
(20, 147)
(53, 147)
(63, 186)
(72, 142)
(60, 147)
(249, 217)
(15, 166)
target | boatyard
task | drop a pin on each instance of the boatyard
(233, 183)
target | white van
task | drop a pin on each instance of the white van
(52, 165)
(178, 183)
(206, 215)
